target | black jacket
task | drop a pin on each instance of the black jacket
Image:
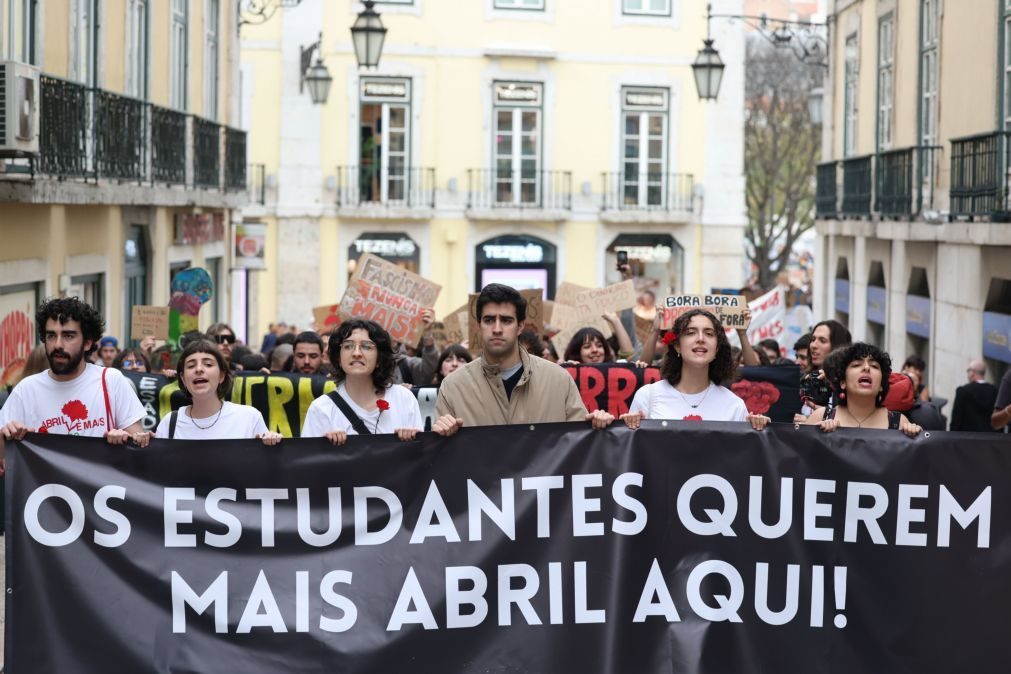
(973, 407)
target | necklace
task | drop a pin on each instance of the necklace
(860, 422)
(216, 417)
(689, 402)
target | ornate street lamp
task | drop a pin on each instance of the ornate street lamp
(316, 77)
(368, 34)
(804, 39)
(708, 71)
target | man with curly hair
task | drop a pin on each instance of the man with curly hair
(72, 397)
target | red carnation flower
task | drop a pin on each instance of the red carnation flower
(382, 405)
(670, 337)
(76, 410)
(43, 429)
(693, 417)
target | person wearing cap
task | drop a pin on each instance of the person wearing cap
(108, 349)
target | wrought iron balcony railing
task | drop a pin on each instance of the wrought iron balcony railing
(235, 160)
(980, 175)
(522, 189)
(826, 199)
(397, 186)
(635, 191)
(904, 180)
(858, 185)
(92, 134)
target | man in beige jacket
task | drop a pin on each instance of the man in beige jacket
(506, 385)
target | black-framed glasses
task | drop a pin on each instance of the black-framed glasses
(224, 339)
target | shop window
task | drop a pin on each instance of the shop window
(522, 262)
(395, 247)
(655, 260)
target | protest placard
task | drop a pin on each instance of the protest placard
(149, 321)
(326, 317)
(730, 309)
(566, 292)
(389, 295)
(456, 325)
(569, 319)
(643, 326)
(439, 335)
(535, 309)
(613, 298)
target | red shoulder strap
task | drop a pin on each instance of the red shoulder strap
(108, 407)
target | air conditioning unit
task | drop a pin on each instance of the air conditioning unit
(19, 109)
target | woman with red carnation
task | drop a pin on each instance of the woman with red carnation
(366, 401)
(698, 360)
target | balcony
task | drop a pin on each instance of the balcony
(510, 194)
(653, 197)
(397, 192)
(857, 186)
(979, 176)
(827, 191)
(892, 184)
(97, 146)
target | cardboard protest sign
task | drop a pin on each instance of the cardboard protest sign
(456, 324)
(535, 309)
(389, 295)
(569, 319)
(439, 335)
(643, 326)
(616, 297)
(768, 319)
(148, 321)
(730, 309)
(326, 317)
(191, 288)
(474, 344)
(566, 293)
(547, 309)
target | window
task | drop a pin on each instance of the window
(384, 140)
(517, 142)
(134, 273)
(850, 97)
(644, 146)
(136, 48)
(83, 41)
(651, 7)
(519, 4)
(178, 57)
(211, 20)
(91, 290)
(929, 32)
(886, 80)
(17, 30)
(1006, 67)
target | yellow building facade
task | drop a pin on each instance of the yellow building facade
(521, 141)
(137, 165)
(913, 197)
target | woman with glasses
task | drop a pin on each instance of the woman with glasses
(366, 401)
(132, 360)
(222, 335)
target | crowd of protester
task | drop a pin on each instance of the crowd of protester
(515, 377)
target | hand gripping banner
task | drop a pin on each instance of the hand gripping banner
(679, 547)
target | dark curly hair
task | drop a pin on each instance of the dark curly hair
(497, 293)
(839, 360)
(382, 376)
(208, 347)
(575, 346)
(63, 309)
(722, 368)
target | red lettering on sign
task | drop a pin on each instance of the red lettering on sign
(591, 384)
(621, 385)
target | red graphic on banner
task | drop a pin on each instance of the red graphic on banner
(75, 410)
(758, 396)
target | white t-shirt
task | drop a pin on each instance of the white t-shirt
(75, 407)
(660, 400)
(324, 416)
(236, 422)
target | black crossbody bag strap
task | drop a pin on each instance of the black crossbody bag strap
(342, 405)
(172, 423)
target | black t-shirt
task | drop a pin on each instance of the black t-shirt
(1004, 394)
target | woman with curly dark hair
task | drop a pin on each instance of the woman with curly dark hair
(858, 375)
(697, 362)
(366, 400)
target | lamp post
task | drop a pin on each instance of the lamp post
(368, 34)
(708, 71)
(315, 76)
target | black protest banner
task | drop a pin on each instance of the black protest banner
(680, 547)
(282, 397)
